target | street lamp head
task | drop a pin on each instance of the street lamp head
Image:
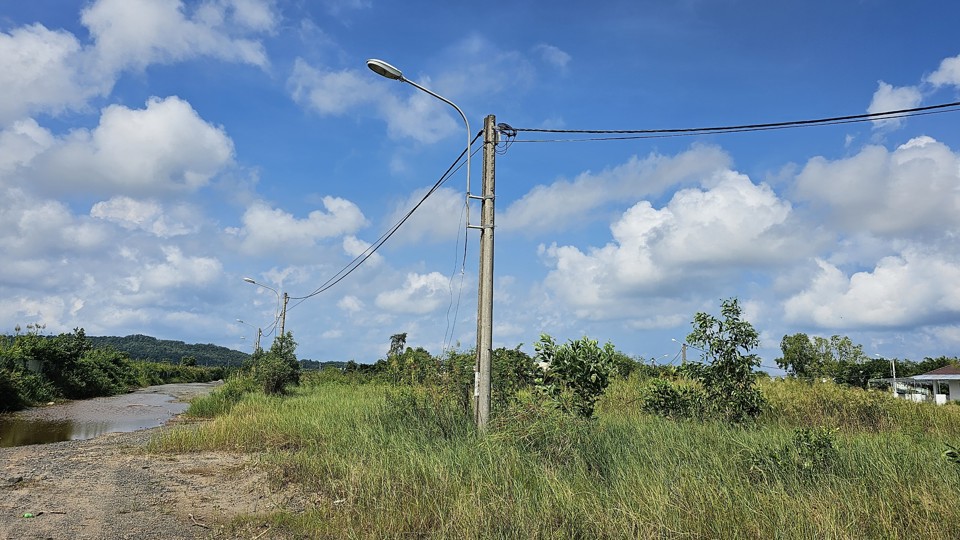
(384, 69)
(249, 280)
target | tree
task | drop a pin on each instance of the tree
(729, 380)
(278, 367)
(800, 357)
(577, 372)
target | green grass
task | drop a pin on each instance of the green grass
(389, 463)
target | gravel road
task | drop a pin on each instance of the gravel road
(110, 488)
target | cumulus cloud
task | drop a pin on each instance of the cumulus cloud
(32, 227)
(267, 229)
(439, 218)
(911, 191)
(356, 247)
(161, 149)
(417, 115)
(700, 233)
(42, 70)
(146, 215)
(20, 143)
(132, 34)
(562, 203)
(914, 288)
(890, 98)
(420, 294)
(947, 74)
(51, 71)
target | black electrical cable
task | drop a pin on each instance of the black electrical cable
(756, 127)
(367, 253)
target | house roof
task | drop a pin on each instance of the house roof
(945, 373)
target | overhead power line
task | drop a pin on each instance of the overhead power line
(685, 132)
(367, 253)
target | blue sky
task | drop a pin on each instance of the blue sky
(153, 153)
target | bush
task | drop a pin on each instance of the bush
(577, 373)
(273, 374)
(673, 399)
(811, 453)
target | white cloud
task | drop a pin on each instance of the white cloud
(267, 229)
(355, 247)
(439, 218)
(179, 270)
(147, 215)
(420, 294)
(563, 203)
(910, 191)
(700, 234)
(163, 148)
(20, 143)
(132, 34)
(553, 55)
(31, 227)
(350, 304)
(888, 98)
(417, 115)
(914, 288)
(947, 74)
(42, 70)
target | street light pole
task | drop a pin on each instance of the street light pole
(280, 313)
(256, 347)
(485, 294)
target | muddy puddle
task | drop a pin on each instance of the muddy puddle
(85, 419)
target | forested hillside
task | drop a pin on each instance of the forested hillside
(141, 347)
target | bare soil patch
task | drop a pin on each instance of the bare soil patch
(111, 488)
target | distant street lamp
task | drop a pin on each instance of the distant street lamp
(893, 366)
(485, 294)
(259, 334)
(281, 311)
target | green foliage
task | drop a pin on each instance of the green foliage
(811, 453)
(275, 369)
(141, 347)
(729, 380)
(577, 372)
(512, 371)
(223, 399)
(673, 399)
(430, 411)
(35, 369)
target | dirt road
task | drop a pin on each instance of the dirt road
(110, 488)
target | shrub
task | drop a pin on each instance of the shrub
(811, 453)
(673, 399)
(577, 373)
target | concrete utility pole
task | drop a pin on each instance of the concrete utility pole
(683, 353)
(283, 313)
(485, 298)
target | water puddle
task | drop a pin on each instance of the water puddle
(85, 419)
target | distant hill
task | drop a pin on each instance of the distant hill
(141, 347)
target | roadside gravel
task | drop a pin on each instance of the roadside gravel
(110, 488)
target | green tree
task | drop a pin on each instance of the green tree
(800, 356)
(577, 372)
(728, 379)
(275, 369)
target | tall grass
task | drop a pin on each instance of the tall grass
(389, 463)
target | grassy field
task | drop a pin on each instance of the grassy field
(388, 462)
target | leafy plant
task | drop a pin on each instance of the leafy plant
(811, 453)
(728, 379)
(576, 373)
